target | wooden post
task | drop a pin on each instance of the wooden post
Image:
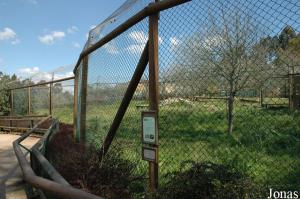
(29, 101)
(75, 105)
(261, 100)
(11, 102)
(153, 90)
(291, 91)
(11, 107)
(50, 99)
(83, 97)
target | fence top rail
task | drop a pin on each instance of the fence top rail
(44, 83)
(151, 9)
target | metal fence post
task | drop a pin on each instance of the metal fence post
(83, 97)
(50, 99)
(291, 90)
(75, 110)
(11, 101)
(29, 100)
(261, 98)
(153, 89)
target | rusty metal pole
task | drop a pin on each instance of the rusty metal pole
(11, 107)
(153, 90)
(50, 99)
(75, 104)
(29, 101)
(83, 99)
(11, 101)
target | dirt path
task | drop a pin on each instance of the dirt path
(11, 180)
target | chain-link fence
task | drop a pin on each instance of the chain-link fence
(229, 97)
(226, 72)
(43, 98)
(63, 101)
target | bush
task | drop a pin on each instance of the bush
(208, 180)
(82, 167)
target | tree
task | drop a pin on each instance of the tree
(233, 54)
(228, 55)
(5, 83)
(288, 53)
(4, 94)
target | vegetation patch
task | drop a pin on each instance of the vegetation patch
(110, 177)
(208, 180)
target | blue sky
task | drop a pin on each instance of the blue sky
(41, 35)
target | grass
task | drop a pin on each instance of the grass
(265, 144)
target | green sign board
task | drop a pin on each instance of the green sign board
(149, 127)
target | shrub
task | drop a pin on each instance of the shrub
(208, 180)
(82, 167)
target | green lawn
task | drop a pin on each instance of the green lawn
(265, 144)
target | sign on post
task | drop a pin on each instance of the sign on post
(149, 127)
(149, 154)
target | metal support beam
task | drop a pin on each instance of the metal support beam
(138, 73)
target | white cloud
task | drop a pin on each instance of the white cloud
(7, 34)
(76, 45)
(174, 41)
(63, 75)
(36, 75)
(111, 48)
(15, 42)
(139, 37)
(135, 48)
(27, 71)
(160, 40)
(72, 30)
(51, 38)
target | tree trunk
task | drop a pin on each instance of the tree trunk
(230, 111)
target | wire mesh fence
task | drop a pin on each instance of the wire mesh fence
(43, 100)
(39, 100)
(106, 87)
(20, 101)
(228, 118)
(63, 101)
(225, 73)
